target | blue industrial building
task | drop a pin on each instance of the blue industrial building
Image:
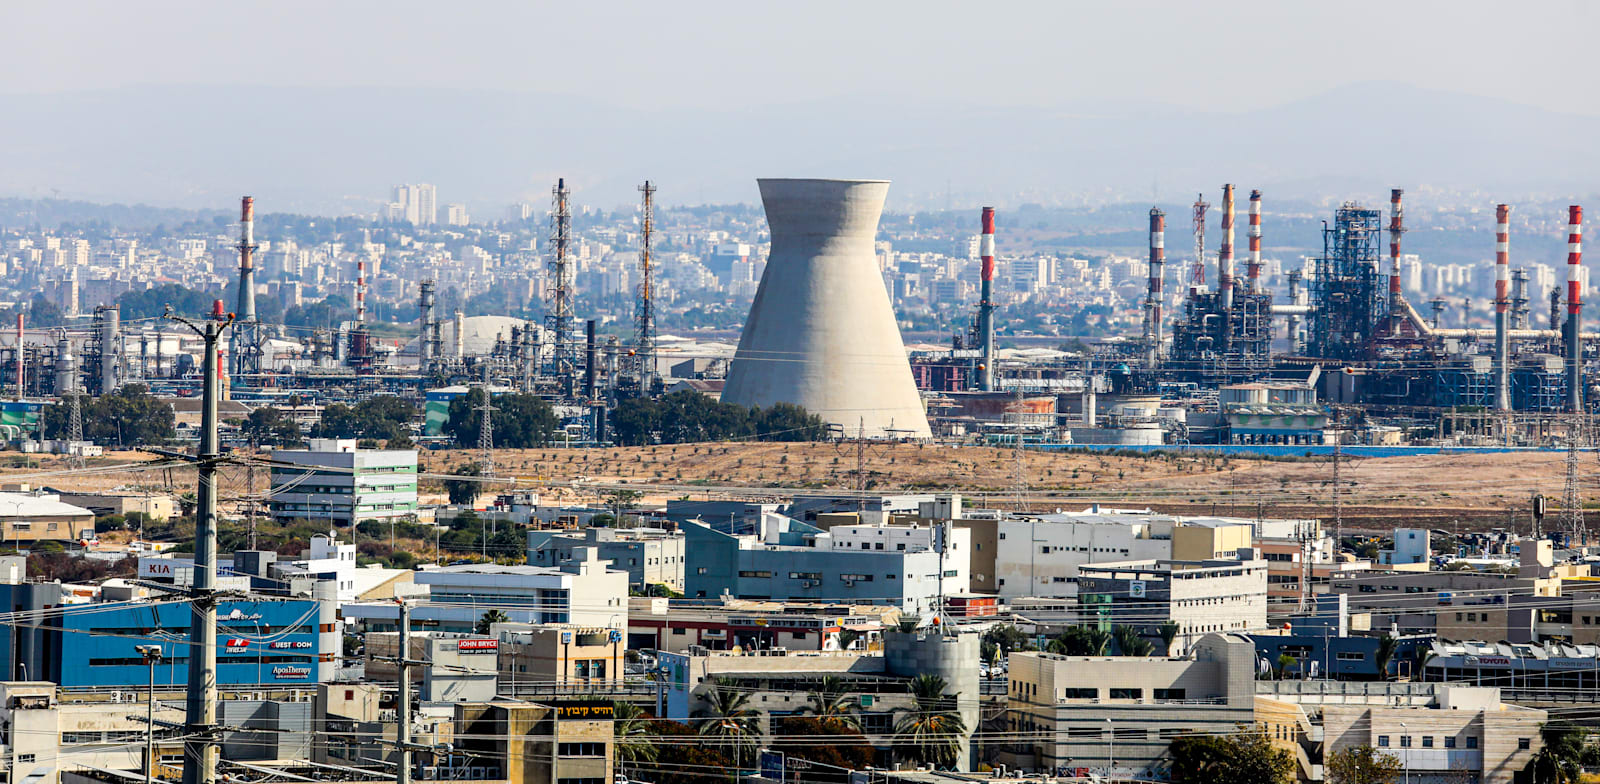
(280, 643)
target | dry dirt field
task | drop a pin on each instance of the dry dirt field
(1470, 490)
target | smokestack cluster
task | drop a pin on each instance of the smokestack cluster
(1502, 304)
(1158, 252)
(1225, 253)
(1574, 308)
(986, 301)
(1253, 272)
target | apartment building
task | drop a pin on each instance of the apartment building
(650, 556)
(1201, 597)
(335, 481)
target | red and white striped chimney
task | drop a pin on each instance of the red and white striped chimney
(361, 291)
(1225, 253)
(1397, 217)
(1158, 257)
(1502, 257)
(1574, 260)
(986, 301)
(1254, 270)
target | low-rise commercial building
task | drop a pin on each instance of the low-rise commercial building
(650, 556)
(335, 481)
(1116, 716)
(1201, 597)
(28, 518)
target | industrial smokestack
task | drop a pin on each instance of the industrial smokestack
(591, 361)
(66, 366)
(1225, 256)
(1158, 244)
(821, 332)
(243, 336)
(461, 335)
(986, 302)
(1502, 305)
(1396, 228)
(1574, 308)
(1293, 321)
(361, 291)
(425, 334)
(1253, 282)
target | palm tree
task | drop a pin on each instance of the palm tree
(1130, 642)
(728, 721)
(1285, 661)
(1081, 641)
(848, 638)
(633, 744)
(1169, 632)
(832, 706)
(488, 620)
(1385, 652)
(1565, 754)
(932, 731)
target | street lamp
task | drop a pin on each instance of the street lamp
(1405, 751)
(1111, 755)
(151, 654)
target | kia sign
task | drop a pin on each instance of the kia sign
(478, 646)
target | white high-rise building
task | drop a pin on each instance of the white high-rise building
(456, 215)
(427, 205)
(418, 204)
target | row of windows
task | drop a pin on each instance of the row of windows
(1090, 693)
(1449, 742)
(1099, 733)
(1048, 549)
(581, 750)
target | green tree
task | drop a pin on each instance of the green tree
(680, 759)
(1361, 765)
(1245, 757)
(831, 705)
(932, 731)
(1564, 754)
(268, 425)
(634, 742)
(1130, 642)
(1169, 632)
(787, 422)
(729, 724)
(827, 744)
(464, 491)
(1007, 638)
(488, 620)
(381, 418)
(520, 421)
(1081, 641)
(128, 417)
(1384, 654)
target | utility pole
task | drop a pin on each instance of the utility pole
(403, 707)
(1019, 466)
(1571, 499)
(1338, 489)
(200, 717)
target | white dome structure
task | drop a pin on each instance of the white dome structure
(821, 332)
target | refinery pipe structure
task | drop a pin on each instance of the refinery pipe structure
(821, 332)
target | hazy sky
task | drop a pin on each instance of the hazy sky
(1229, 55)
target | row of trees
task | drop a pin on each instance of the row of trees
(519, 421)
(1086, 640)
(686, 417)
(131, 416)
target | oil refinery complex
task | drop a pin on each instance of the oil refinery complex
(1341, 354)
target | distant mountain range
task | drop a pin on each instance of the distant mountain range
(337, 151)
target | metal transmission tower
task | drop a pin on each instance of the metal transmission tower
(1571, 498)
(1198, 275)
(1349, 302)
(558, 316)
(486, 433)
(644, 328)
(1019, 466)
(75, 430)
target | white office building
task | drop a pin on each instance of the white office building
(335, 481)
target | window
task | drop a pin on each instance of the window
(900, 546)
(1383, 741)
(1449, 741)
(1351, 656)
(1084, 732)
(1369, 589)
(1175, 732)
(1472, 741)
(1172, 694)
(754, 573)
(25, 759)
(582, 750)
(1130, 733)
(349, 694)
(1427, 741)
(1126, 694)
(1523, 744)
(701, 570)
(1405, 741)
(805, 575)
(680, 631)
(850, 578)
(1079, 694)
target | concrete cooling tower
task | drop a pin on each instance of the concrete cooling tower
(821, 332)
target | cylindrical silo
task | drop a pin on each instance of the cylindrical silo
(821, 333)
